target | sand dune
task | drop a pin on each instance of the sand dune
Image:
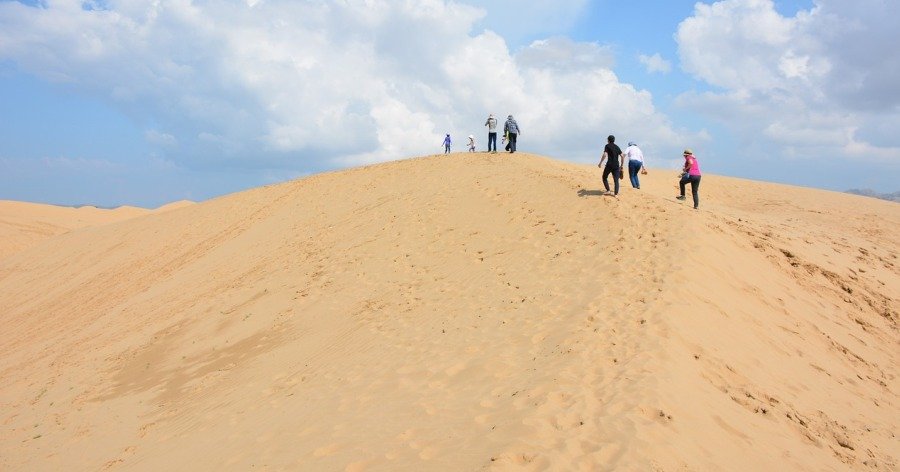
(461, 312)
(23, 225)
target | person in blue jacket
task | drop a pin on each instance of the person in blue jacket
(447, 143)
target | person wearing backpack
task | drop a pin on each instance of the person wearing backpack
(511, 129)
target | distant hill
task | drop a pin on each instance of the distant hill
(24, 225)
(891, 197)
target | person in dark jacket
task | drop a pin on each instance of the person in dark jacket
(615, 161)
(511, 130)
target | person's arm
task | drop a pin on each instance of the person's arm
(621, 160)
(602, 158)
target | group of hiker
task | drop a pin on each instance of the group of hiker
(511, 133)
(615, 166)
(613, 156)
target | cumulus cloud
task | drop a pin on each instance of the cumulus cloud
(160, 139)
(523, 22)
(819, 84)
(304, 84)
(655, 63)
(561, 53)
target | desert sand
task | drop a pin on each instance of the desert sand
(461, 312)
(24, 224)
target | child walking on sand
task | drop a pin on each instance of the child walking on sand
(447, 144)
(471, 143)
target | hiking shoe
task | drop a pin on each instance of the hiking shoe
(680, 197)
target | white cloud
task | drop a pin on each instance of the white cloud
(818, 85)
(561, 53)
(298, 85)
(655, 63)
(520, 22)
(160, 139)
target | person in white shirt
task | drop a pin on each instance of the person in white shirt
(491, 123)
(635, 159)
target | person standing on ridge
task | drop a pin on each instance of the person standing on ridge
(447, 144)
(691, 173)
(511, 129)
(491, 123)
(615, 160)
(635, 163)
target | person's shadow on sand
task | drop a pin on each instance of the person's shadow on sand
(587, 193)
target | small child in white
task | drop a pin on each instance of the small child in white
(471, 143)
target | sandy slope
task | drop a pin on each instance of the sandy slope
(461, 313)
(24, 225)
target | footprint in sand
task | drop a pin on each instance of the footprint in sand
(328, 450)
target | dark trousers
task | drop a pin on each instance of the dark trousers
(492, 142)
(695, 187)
(633, 168)
(615, 173)
(512, 142)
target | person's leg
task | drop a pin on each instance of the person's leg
(492, 141)
(695, 190)
(616, 173)
(512, 141)
(633, 168)
(606, 172)
(684, 180)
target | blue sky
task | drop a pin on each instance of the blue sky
(143, 103)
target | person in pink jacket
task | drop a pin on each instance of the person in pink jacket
(690, 173)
